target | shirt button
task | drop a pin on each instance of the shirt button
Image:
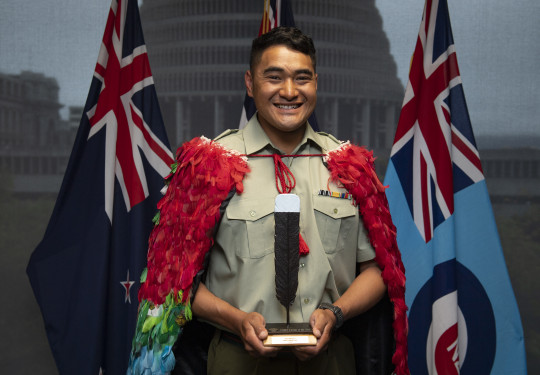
(252, 213)
(306, 300)
(335, 210)
(302, 265)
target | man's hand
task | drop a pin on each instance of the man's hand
(249, 326)
(253, 333)
(322, 322)
(365, 291)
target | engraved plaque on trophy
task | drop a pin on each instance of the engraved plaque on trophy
(287, 260)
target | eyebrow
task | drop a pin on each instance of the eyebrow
(279, 70)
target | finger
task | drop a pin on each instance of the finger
(322, 320)
(259, 350)
(261, 332)
(257, 322)
(304, 353)
(271, 351)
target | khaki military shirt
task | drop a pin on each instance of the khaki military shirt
(241, 269)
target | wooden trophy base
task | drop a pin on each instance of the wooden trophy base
(292, 334)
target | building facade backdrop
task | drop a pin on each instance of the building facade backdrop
(199, 52)
(34, 142)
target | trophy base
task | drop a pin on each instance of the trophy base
(292, 334)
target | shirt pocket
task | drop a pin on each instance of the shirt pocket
(257, 214)
(336, 219)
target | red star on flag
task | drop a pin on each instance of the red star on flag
(127, 286)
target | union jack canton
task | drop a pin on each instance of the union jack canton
(125, 72)
(434, 129)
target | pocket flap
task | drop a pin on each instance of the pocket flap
(334, 207)
(250, 209)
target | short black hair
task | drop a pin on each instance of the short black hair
(290, 37)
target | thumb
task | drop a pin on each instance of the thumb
(315, 325)
(258, 325)
(319, 321)
(261, 332)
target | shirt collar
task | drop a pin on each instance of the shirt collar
(255, 138)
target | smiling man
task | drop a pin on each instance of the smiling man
(338, 276)
(283, 83)
(211, 274)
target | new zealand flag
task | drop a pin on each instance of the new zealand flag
(463, 315)
(84, 272)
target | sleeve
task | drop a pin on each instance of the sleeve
(364, 249)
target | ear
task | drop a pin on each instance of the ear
(248, 79)
(316, 80)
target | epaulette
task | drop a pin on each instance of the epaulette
(226, 133)
(331, 138)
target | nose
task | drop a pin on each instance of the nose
(288, 89)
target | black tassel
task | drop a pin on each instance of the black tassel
(286, 245)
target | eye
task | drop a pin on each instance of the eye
(273, 77)
(303, 79)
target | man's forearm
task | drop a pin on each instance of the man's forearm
(249, 326)
(366, 290)
(213, 309)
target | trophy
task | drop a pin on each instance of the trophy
(287, 260)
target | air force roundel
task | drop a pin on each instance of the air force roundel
(452, 324)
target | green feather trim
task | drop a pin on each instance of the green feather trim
(173, 167)
(156, 218)
(161, 324)
(143, 275)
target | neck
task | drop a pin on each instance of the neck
(285, 141)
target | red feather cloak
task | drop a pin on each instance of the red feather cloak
(203, 177)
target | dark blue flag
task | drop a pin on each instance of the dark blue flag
(276, 13)
(463, 316)
(84, 272)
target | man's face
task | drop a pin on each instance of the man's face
(283, 85)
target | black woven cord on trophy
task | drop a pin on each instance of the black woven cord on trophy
(287, 261)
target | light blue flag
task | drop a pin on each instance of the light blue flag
(463, 317)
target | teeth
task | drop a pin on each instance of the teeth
(287, 106)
